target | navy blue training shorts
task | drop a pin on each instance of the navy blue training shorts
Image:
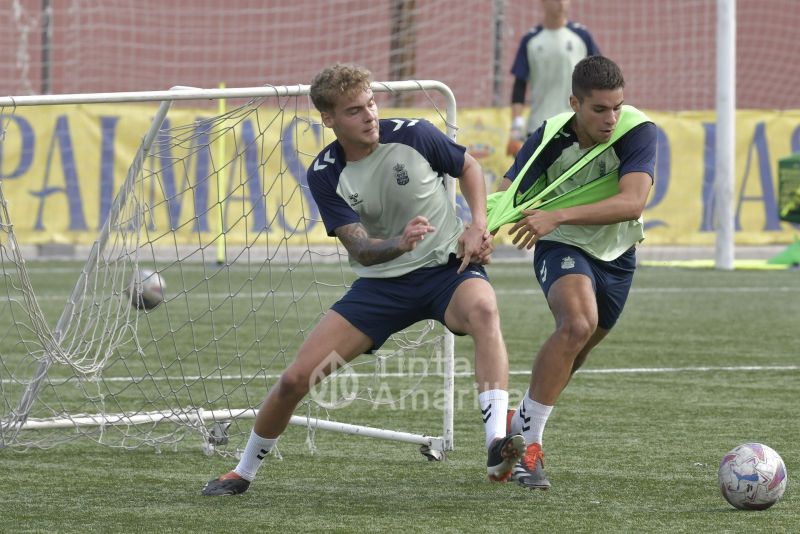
(379, 307)
(611, 280)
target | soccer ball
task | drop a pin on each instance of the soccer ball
(146, 290)
(752, 476)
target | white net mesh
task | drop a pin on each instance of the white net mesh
(216, 209)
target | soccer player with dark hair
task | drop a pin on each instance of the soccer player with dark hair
(585, 254)
(380, 187)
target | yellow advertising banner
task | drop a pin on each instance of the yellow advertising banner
(680, 207)
(61, 168)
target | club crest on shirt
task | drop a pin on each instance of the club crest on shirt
(400, 174)
(567, 262)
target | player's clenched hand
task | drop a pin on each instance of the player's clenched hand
(536, 224)
(414, 232)
(485, 256)
(474, 246)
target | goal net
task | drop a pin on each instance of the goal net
(218, 207)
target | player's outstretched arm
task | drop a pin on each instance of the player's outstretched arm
(367, 250)
(517, 134)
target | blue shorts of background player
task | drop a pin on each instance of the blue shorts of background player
(611, 280)
(379, 307)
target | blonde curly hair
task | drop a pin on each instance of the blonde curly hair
(336, 80)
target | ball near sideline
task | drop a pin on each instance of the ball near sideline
(146, 290)
(752, 476)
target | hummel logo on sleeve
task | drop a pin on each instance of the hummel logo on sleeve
(399, 123)
(325, 157)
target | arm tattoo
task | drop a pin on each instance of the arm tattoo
(366, 250)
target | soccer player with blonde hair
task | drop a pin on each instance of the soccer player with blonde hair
(380, 188)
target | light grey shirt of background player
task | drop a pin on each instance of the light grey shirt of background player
(546, 58)
(387, 189)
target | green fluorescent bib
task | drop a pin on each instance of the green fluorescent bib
(506, 207)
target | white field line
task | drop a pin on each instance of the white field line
(200, 268)
(503, 292)
(462, 374)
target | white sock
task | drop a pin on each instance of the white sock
(254, 453)
(494, 405)
(530, 419)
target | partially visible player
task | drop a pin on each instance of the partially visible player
(585, 256)
(380, 187)
(545, 58)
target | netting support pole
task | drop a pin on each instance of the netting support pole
(497, 71)
(47, 41)
(222, 248)
(725, 149)
(32, 390)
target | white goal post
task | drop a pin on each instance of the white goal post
(203, 359)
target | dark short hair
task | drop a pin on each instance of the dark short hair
(595, 73)
(336, 80)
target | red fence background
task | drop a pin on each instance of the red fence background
(665, 47)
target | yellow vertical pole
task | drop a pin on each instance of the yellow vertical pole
(220, 156)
